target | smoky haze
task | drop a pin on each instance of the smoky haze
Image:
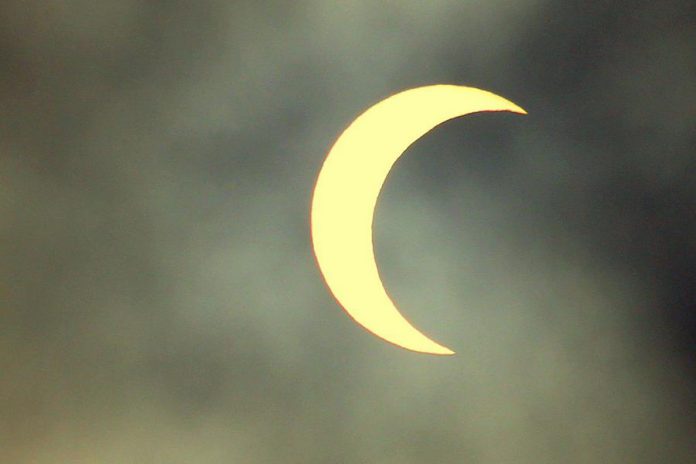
(160, 299)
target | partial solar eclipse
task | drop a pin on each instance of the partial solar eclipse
(346, 193)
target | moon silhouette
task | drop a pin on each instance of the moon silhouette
(346, 194)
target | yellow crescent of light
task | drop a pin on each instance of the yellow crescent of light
(346, 193)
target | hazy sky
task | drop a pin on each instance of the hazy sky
(161, 303)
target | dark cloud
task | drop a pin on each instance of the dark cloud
(161, 302)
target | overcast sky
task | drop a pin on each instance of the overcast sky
(160, 299)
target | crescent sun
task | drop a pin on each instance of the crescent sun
(346, 194)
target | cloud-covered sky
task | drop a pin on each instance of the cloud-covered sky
(160, 299)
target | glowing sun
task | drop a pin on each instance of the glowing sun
(346, 193)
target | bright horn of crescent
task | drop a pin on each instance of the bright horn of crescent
(346, 193)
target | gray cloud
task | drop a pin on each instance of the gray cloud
(161, 299)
